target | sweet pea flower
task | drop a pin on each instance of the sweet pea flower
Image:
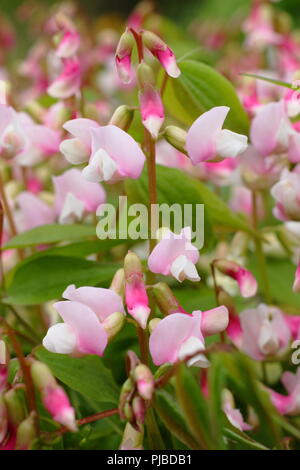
(33, 211)
(272, 132)
(135, 291)
(265, 333)
(288, 404)
(245, 279)
(286, 192)
(152, 110)
(115, 156)
(206, 139)
(78, 149)
(123, 56)
(68, 45)
(162, 52)
(259, 27)
(86, 314)
(175, 255)
(69, 80)
(187, 336)
(74, 196)
(233, 414)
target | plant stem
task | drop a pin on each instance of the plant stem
(8, 213)
(89, 419)
(152, 210)
(260, 253)
(143, 344)
(139, 44)
(23, 322)
(30, 392)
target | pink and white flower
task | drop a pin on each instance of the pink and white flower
(245, 279)
(69, 80)
(74, 196)
(286, 192)
(152, 109)
(187, 338)
(78, 149)
(115, 156)
(68, 45)
(175, 255)
(206, 140)
(233, 414)
(85, 315)
(162, 52)
(288, 404)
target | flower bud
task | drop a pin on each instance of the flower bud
(128, 413)
(153, 323)
(15, 407)
(135, 291)
(245, 279)
(26, 433)
(145, 75)
(176, 137)
(113, 324)
(144, 381)
(162, 52)
(166, 300)
(54, 397)
(118, 282)
(132, 438)
(139, 411)
(122, 117)
(126, 392)
(152, 110)
(123, 56)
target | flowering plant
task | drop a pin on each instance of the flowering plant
(150, 227)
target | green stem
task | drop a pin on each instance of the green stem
(153, 432)
(260, 253)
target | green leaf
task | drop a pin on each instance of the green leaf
(86, 375)
(45, 278)
(170, 414)
(194, 406)
(174, 186)
(200, 88)
(52, 233)
(216, 380)
(243, 439)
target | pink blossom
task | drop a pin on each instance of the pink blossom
(135, 291)
(241, 201)
(152, 110)
(259, 28)
(265, 333)
(187, 337)
(168, 156)
(57, 403)
(162, 52)
(175, 255)
(68, 82)
(245, 279)
(233, 414)
(78, 149)
(286, 192)
(115, 156)
(123, 57)
(33, 211)
(206, 139)
(68, 45)
(85, 315)
(288, 404)
(74, 196)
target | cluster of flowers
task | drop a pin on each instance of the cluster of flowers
(37, 142)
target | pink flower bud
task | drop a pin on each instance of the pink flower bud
(144, 380)
(139, 411)
(135, 291)
(165, 299)
(132, 438)
(122, 117)
(123, 56)
(288, 404)
(3, 365)
(152, 110)
(57, 403)
(162, 52)
(234, 415)
(245, 279)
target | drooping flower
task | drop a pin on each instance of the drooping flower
(245, 279)
(135, 291)
(162, 52)
(74, 196)
(175, 255)
(187, 336)
(123, 56)
(85, 315)
(233, 414)
(206, 139)
(152, 110)
(115, 156)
